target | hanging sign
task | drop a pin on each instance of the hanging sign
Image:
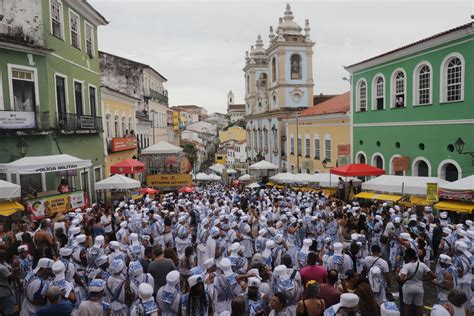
(60, 203)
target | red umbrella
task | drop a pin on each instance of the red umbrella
(187, 189)
(148, 191)
(127, 166)
(357, 170)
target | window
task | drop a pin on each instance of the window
(130, 125)
(317, 148)
(360, 158)
(307, 147)
(57, 18)
(61, 94)
(453, 80)
(399, 88)
(423, 85)
(124, 125)
(292, 145)
(327, 148)
(275, 140)
(377, 161)
(274, 69)
(379, 90)
(265, 139)
(255, 140)
(89, 30)
(299, 146)
(449, 172)
(248, 84)
(362, 96)
(116, 126)
(75, 30)
(108, 125)
(422, 169)
(295, 61)
(78, 97)
(92, 101)
(260, 140)
(23, 83)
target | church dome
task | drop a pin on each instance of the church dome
(288, 26)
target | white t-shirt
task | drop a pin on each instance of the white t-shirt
(381, 263)
(106, 219)
(409, 269)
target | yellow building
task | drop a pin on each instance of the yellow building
(120, 141)
(319, 138)
(233, 133)
(221, 157)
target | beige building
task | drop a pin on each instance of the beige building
(234, 111)
(278, 84)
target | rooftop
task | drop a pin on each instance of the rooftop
(337, 104)
(133, 62)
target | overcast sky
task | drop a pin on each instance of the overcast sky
(199, 46)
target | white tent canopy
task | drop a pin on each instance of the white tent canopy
(263, 165)
(327, 180)
(231, 171)
(281, 176)
(162, 148)
(244, 177)
(463, 184)
(401, 184)
(9, 190)
(41, 164)
(217, 167)
(214, 177)
(253, 185)
(202, 177)
(117, 182)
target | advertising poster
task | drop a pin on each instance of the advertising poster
(61, 203)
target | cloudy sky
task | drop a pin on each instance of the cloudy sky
(199, 46)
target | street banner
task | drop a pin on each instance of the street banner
(432, 192)
(401, 164)
(343, 150)
(123, 143)
(169, 180)
(462, 195)
(60, 203)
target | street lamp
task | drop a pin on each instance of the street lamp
(22, 147)
(325, 163)
(459, 145)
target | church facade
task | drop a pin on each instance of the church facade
(278, 84)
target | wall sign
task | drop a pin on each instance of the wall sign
(60, 203)
(401, 164)
(16, 120)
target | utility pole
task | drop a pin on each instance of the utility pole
(297, 144)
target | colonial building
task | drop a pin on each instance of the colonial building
(278, 84)
(199, 113)
(144, 83)
(120, 140)
(50, 87)
(319, 138)
(413, 108)
(234, 111)
(233, 133)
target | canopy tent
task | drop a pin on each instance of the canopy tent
(401, 184)
(42, 164)
(327, 180)
(357, 170)
(289, 178)
(303, 177)
(214, 177)
(253, 185)
(463, 184)
(8, 208)
(9, 190)
(202, 177)
(161, 148)
(217, 167)
(117, 182)
(263, 165)
(455, 206)
(380, 197)
(148, 191)
(127, 166)
(231, 171)
(244, 177)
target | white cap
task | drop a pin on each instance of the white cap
(270, 244)
(209, 263)
(389, 309)
(81, 238)
(443, 215)
(44, 263)
(235, 247)
(172, 277)
(22, 248)
(195, 279)
(253, 282)
(337, 247)
(58, 267)
(349, 300)
(99, 240)
(462, 246)
(117, 266)
(406, 236)
(445, 259)
(97, 285)
(65, 251)
(101, 260)
(145, 291)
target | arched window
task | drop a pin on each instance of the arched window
(449, 170)
(317, 147)
(362, 96)
(422, 77)
(299, 146)
(307, 146)
(295, 61)
(453, 79)
(116, 126)
(398, 89)
(360, 158)
(327, 147)
(377, 161)
(379, 93)
(274, 69)
(422, 169)
(124, 125)
(108, 125)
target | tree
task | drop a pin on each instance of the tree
(190, 152)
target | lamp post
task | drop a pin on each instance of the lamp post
(22, 147)
(459, 146)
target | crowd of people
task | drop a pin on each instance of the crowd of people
(233, 251)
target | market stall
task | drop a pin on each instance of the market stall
(458, 196)
(401, 184)
(263, 169)
(8, 193)
(357, 170)
(117, 182)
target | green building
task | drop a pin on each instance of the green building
(50, 87)
(413, 107)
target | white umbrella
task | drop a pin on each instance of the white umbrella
(117, 182)
(244, 177)
(263, 165)
(231, 171)
(253, 185)
(202, 177)
(217, 167)
(9, 190)
(162, 148)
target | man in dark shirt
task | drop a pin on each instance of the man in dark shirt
(147, 258)
(437, 236)
(57, 306)
(328, 292)
(159, 268)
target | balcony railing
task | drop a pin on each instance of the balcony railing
(11, 121)
(160, 97)
(72, 123)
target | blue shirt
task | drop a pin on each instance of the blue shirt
(64, 308)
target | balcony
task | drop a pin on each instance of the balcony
(24, 122)
(68, 122)
(158, 96)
